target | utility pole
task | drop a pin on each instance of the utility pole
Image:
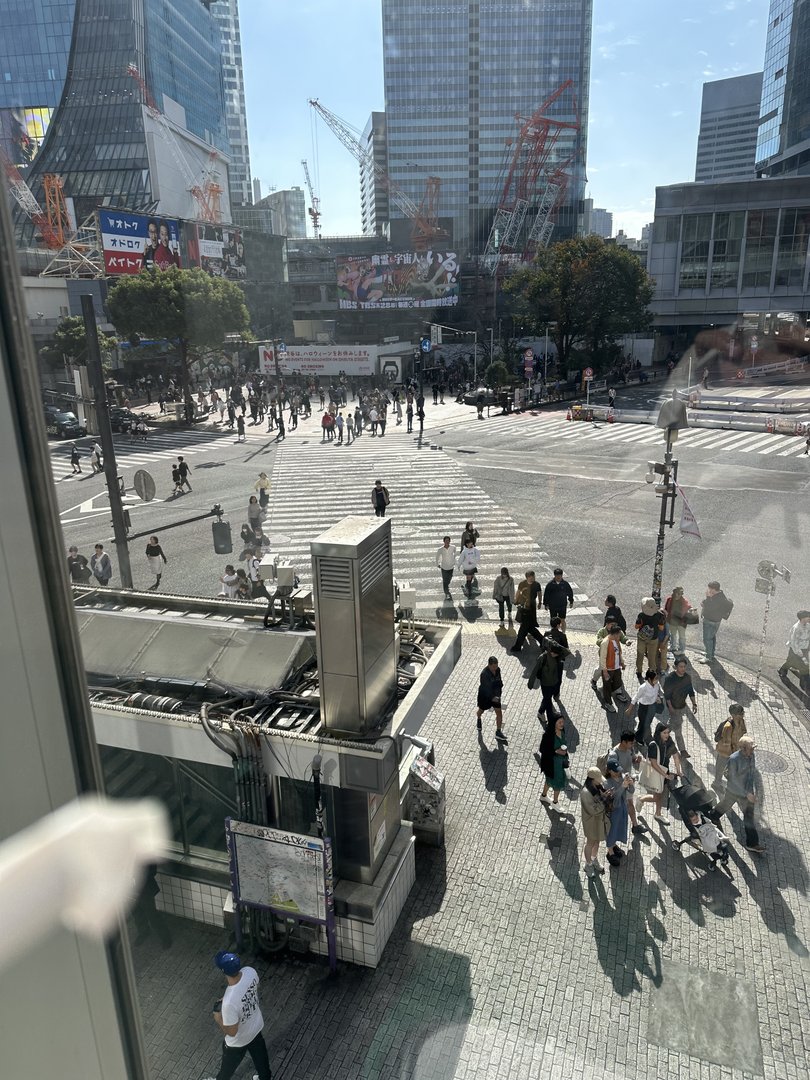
(107, 446)
(672, 418)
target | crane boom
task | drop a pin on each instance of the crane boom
(51, 226)
(315, 208)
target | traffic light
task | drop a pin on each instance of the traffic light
(221, 531)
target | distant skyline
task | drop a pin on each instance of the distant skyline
(649, 62)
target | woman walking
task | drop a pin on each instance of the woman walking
(595, 821)
(255, 515)
(553, 759)
(470, 533)
(647, 699)
(503, 591)
(468, 562)
(619, 786)
(676, 607)
(656, 774)
(262, 485)
(156, 559)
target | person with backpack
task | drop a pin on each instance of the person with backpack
(650, 623)
(547, 673)
(727, 740)
(714, 609)
(380, 498)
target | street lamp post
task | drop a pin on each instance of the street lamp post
(475, 360)
(672, 418)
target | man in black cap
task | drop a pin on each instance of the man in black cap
(558, 597)
(239, 1015)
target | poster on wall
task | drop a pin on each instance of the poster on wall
(220, 252)
(398, 280)
(135, 242)
(323, 360)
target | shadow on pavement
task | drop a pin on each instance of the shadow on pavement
(627, 931)
(494, 765)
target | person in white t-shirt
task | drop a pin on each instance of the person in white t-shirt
(239, 1015)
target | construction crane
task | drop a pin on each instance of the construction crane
(314, 211)
(426, 231)
(53, 224)
(534, 180)
(205, 191)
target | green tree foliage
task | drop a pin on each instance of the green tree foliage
(594, 291)
(69, 343)
(497, 374)
(186, 306)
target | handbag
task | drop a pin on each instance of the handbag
(651, 779)
(691, 618)
(519, 613)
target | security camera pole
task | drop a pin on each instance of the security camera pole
(672, 418)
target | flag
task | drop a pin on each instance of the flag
(689, 523)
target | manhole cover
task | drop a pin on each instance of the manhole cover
(769, 762)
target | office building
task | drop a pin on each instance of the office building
(257, 189)
(783, 146)
(455, 76)
(729, 122)
(595, 221)
(226, 15)
(289, 211)
(374, 195)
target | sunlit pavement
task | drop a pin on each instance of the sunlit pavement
(507, 961)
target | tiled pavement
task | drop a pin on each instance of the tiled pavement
(507, 962)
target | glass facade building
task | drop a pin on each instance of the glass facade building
(456, 74)
(729, 124)
(226, 14)
(783, 145)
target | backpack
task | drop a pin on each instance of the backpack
(719, 731)
(729, 608)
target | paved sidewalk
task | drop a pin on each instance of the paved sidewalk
(508, 962)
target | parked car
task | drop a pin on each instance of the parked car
(121, 419)
(65, 425)
(471, 397)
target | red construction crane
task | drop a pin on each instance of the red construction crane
(53, 224)
(426, 231)
(537, 178)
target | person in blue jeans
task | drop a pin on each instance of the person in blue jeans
(743, 788)
(714, 609)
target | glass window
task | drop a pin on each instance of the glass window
(695, 240)
(760, 237)
(791, 258)
(726, 249)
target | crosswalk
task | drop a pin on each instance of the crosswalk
(314, 486)
(549, 428)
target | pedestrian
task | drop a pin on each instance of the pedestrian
(546, 672)
(358, 422)
(798, 644)
(469, 560)
(253, 563)
(743, 788)
(611, 397)
(349, 427)
(255, 515)
(409, 417)
(612, 665)
(177, 480)
(398, 411)
(326, 426)
(727, 740)
(714, 608)
(156, 559)
(239, 1017)
(446, 562)
(677, 688)
(613, 613)
(560, 638)
(244, 590)
(373, 418)
(231, 413)
(262, 485)
(95, 458)
(656, 774)
(807, 446)
(595, 822)
(184, 469)
(601, 634)
(221, 410)
(293, 414)
(470, 533)
(75, 461)
(526, 610)
(490, 691)
(282, 433)
(78, 568)
(420, 416)
(229, 581)
(553, 759)
(503, 590)
(100, 565)
(676, 607)
(629, 761)
(339, 426)
(558, 596)
(618, 786)
(161, 402)
(271, 416)
(380, 498)
(650, 621)
(240, 428)
(647, 700)
(143, 433)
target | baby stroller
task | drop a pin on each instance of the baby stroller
(697, 811)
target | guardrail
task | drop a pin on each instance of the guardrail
(797, 363)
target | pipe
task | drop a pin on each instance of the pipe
(212, 735)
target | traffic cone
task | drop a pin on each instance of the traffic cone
(568, 414)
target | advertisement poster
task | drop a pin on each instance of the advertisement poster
(402, 280)
(135, 242)
(324, 360)
(220, 252)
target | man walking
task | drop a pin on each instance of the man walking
(714, 608)
(612, 664)
(282, 433)
(743, 788)
(677, 688)
(558, 597)
(650, 623)
(379, 498)
(446, 561)
(490, 689)
(100, 565)
(526, 602)
(240, 1019)
(349, 427)
(798, 650)
(184, 469)
(339, 426)
(95, 458)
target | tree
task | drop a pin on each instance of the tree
(69, 343)
(188, 307)
(593, 290)
(497, 374)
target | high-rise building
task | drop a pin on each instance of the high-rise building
(783, 146)
(102, 140)
(373, 195)
(257, 189)
(289, 211)
(455, 77)
(596, 221)
(226, 14)
(729, 123)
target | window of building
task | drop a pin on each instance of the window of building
(760, 237)
(791, 258)
(695, 240)
(726, 249)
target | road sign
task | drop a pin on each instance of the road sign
(425, 344)
(281, 347)
(587, 374)
(144, 485)
(754, 344)
(528, 355)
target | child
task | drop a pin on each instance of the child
(712, 840)
(177, 480)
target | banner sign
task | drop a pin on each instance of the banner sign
(135, 242)
(220, 251)
(398, 280)
(689, 524)
(325, 360)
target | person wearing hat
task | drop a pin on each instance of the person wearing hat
(619, 786)
(595, 821)
(239, 1016)
(727, 740)
(743, 788)
(262, 485)
(490, 688)
(650, 623)
(558, 596)
(798, 651)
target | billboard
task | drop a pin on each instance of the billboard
(135, 242)
(398, 280)
(325, 360)
(22, 131)
(220, 251)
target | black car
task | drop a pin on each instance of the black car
(65, 425)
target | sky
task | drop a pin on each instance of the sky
(649, 61)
